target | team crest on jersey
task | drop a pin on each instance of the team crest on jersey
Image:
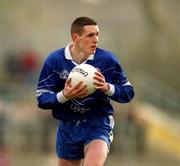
(64, 74)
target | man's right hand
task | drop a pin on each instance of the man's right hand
(78, 91)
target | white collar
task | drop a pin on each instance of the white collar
(68, 54)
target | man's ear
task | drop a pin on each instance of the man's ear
(74, 36)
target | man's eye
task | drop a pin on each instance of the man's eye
(91, 35)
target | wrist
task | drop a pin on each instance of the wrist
(108, 87)
(61, 97)
(111, 90)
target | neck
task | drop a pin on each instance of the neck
(77, 55)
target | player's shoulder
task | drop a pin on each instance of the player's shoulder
(106, 54)
(54, 56)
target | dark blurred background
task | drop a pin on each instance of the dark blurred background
(145, 36)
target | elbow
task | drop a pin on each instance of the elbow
(128, 94)
(40, 105)
(43, 105)
(47, 101)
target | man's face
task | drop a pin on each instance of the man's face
(88, 40)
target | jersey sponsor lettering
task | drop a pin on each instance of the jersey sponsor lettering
(78, 108)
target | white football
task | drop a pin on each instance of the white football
(84, 73)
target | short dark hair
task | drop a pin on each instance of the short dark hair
(79, 23)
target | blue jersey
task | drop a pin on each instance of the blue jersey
(54, 73)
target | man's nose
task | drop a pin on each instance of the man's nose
(96, 38)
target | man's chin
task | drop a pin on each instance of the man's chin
(93, 51)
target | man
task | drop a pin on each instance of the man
(86, 122)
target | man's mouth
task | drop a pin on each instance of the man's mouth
(93, 47)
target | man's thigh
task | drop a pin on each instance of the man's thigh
(96, 153)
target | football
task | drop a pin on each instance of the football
(84, 73)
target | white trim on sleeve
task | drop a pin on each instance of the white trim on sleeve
(61, 98)
(111, 90)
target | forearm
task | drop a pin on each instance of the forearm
(122, 94)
